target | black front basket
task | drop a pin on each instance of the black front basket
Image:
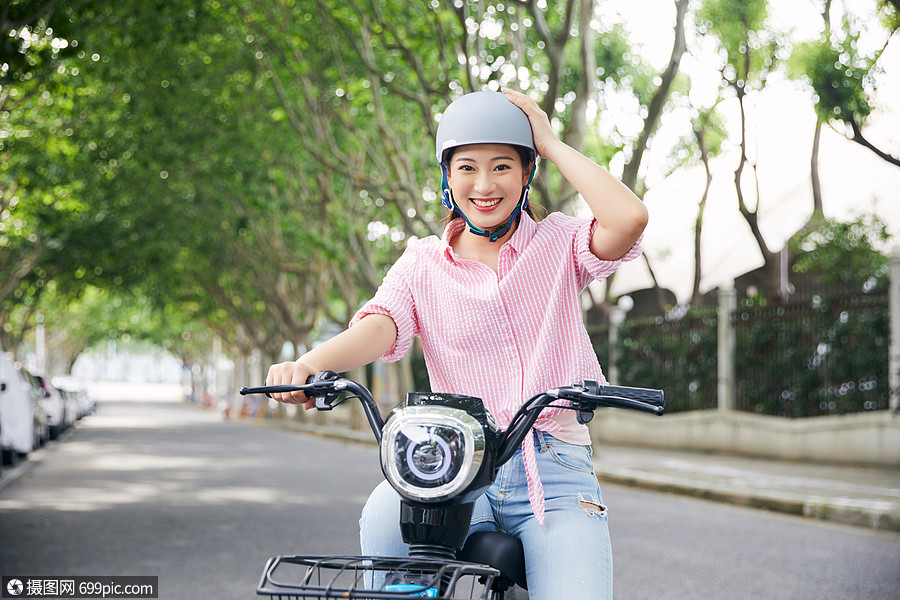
(301, 577)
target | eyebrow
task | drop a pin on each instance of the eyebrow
(468, 159)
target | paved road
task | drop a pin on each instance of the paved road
(169, 490)
(165, 489)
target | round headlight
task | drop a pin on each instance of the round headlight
(431, 453)
(430, 458)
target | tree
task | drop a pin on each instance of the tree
(230, 162)
(254, 167)
(818, 208)
(708, 134)
(748, 51)
(659, 97)
(842, 78)
(845, 253)
(30, 53)
(78, 213)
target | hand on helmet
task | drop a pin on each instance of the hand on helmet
(543, 133)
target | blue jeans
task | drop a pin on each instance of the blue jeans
(568, 557)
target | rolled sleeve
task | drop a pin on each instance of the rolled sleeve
(589, 266)
(394, 299)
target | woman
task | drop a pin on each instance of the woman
(495, 302)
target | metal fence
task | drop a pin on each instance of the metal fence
(821, 356)
(678, 356)
(825, 354)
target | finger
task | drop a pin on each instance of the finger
(298, 377)
(513, 93)
(279, 375)
(517, 98)
(282, 380)
(273, 377)
(523, 101)
(536, 115)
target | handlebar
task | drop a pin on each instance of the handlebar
(328, 389)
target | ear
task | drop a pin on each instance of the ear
(445, 175)
(528, 176)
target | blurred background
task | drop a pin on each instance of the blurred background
(191, 190)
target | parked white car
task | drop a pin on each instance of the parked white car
(23, 422)
(53, 403)
(79, 402)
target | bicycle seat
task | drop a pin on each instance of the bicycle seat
(499, 550)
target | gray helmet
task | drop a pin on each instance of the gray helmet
(483, 118)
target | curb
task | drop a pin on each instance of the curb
(12, 474)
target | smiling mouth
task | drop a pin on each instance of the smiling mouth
(486, 203)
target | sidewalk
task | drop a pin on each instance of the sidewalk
(864, 496)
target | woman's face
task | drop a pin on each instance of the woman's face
(486, 181)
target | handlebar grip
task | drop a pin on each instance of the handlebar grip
(646, 395)
(278, 389)
(271, 389)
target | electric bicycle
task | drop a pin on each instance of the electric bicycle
(440, 452)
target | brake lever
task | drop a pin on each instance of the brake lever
(584, 414)
(325, 401)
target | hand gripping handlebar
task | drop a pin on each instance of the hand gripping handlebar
(326, 388)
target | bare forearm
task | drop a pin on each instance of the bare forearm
(620, 215)
(369, 339)
(358, 346)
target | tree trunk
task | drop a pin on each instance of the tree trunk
(814, 171)
(698, 224)
(654, 111)
(818, 208)
(771, 264)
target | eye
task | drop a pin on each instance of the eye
(502, 167)
(465, 167)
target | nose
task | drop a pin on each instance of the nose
(483, 182)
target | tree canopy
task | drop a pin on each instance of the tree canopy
(250, 169)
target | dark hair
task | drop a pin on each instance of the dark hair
(525, 156)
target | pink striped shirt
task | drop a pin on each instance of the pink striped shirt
(504, 336)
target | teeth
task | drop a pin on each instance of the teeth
(486, 203)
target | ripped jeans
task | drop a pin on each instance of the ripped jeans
(568, 557)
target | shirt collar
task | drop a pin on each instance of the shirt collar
(525, 230)
(523, 233)
(453, 229)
